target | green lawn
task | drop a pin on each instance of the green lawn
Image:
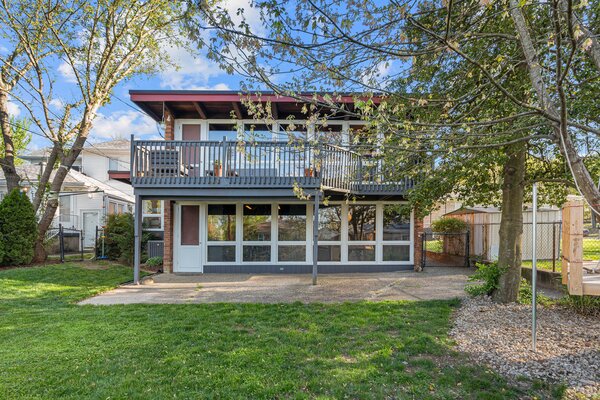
(51, 348)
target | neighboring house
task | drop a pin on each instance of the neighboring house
(484, 227)
(94, 188)
(241, 205)
(84, 202)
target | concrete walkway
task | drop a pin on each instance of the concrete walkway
(433, 283)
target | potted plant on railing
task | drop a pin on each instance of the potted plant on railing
(310, 172)
(217, 168)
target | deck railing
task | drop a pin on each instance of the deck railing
(180, 163)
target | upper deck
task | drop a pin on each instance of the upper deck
(260, 165)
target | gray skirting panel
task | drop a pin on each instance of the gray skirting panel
(302, 269)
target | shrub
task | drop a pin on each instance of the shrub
(18, 228)
(487, 278)
(119, 239)
(526, 294)
(586, 305)
(154, 262)
(449, 225)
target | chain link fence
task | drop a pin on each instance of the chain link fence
(445, 249)
(485, 243)
(591, 240)
(64, 244)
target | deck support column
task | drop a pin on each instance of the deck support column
(137, 247)
(315, 238)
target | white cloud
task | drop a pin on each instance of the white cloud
(13, 109)
(67, 72)
(194, 70)
(57, 103)
(251, 14)
(121, 124)
(218, 86)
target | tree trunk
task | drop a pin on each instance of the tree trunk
(8, 159)
(511, 224)
(586, 185)
(55, 188)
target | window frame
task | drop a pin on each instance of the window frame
(161, 215)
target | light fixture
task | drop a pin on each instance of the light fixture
(90, 195)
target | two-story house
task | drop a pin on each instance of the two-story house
(280, 195)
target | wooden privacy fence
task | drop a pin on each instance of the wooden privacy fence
(573, 275)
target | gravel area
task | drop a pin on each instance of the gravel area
(568, 344)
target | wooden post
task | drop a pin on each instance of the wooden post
(566, 216)
(572, 259)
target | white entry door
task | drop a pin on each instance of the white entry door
(188, 249)
(90, 222)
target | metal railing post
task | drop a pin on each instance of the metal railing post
(224, 163)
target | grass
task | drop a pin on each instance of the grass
(54, 349)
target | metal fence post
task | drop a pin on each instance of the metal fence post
(467, 249)
(554, 247)
(96, 244)
(61, 243)
(81, 243)
(423, 250)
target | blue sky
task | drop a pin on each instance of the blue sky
(121, 118)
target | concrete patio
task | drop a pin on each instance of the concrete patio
(431, 284)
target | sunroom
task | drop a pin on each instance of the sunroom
(266, 236)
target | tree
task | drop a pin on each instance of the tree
(31, 18)
(462, 99)
(98, 45)
(20, 139)
(18, 228)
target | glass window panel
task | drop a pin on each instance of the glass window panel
(257, 253)
(396, 224)
(221, 222)
(151, 223)
(292, 132)
(396, 253)
(221, 253)
(218, 131)
(363, 139)
(258, 132)
(330, 253)
(292, 222)
(152, 206)
(330, 133)
(330, 222)
(190, 224)
(361, 253)
(112, 208)
(292, 253)
(361, 222)
(257, 222)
